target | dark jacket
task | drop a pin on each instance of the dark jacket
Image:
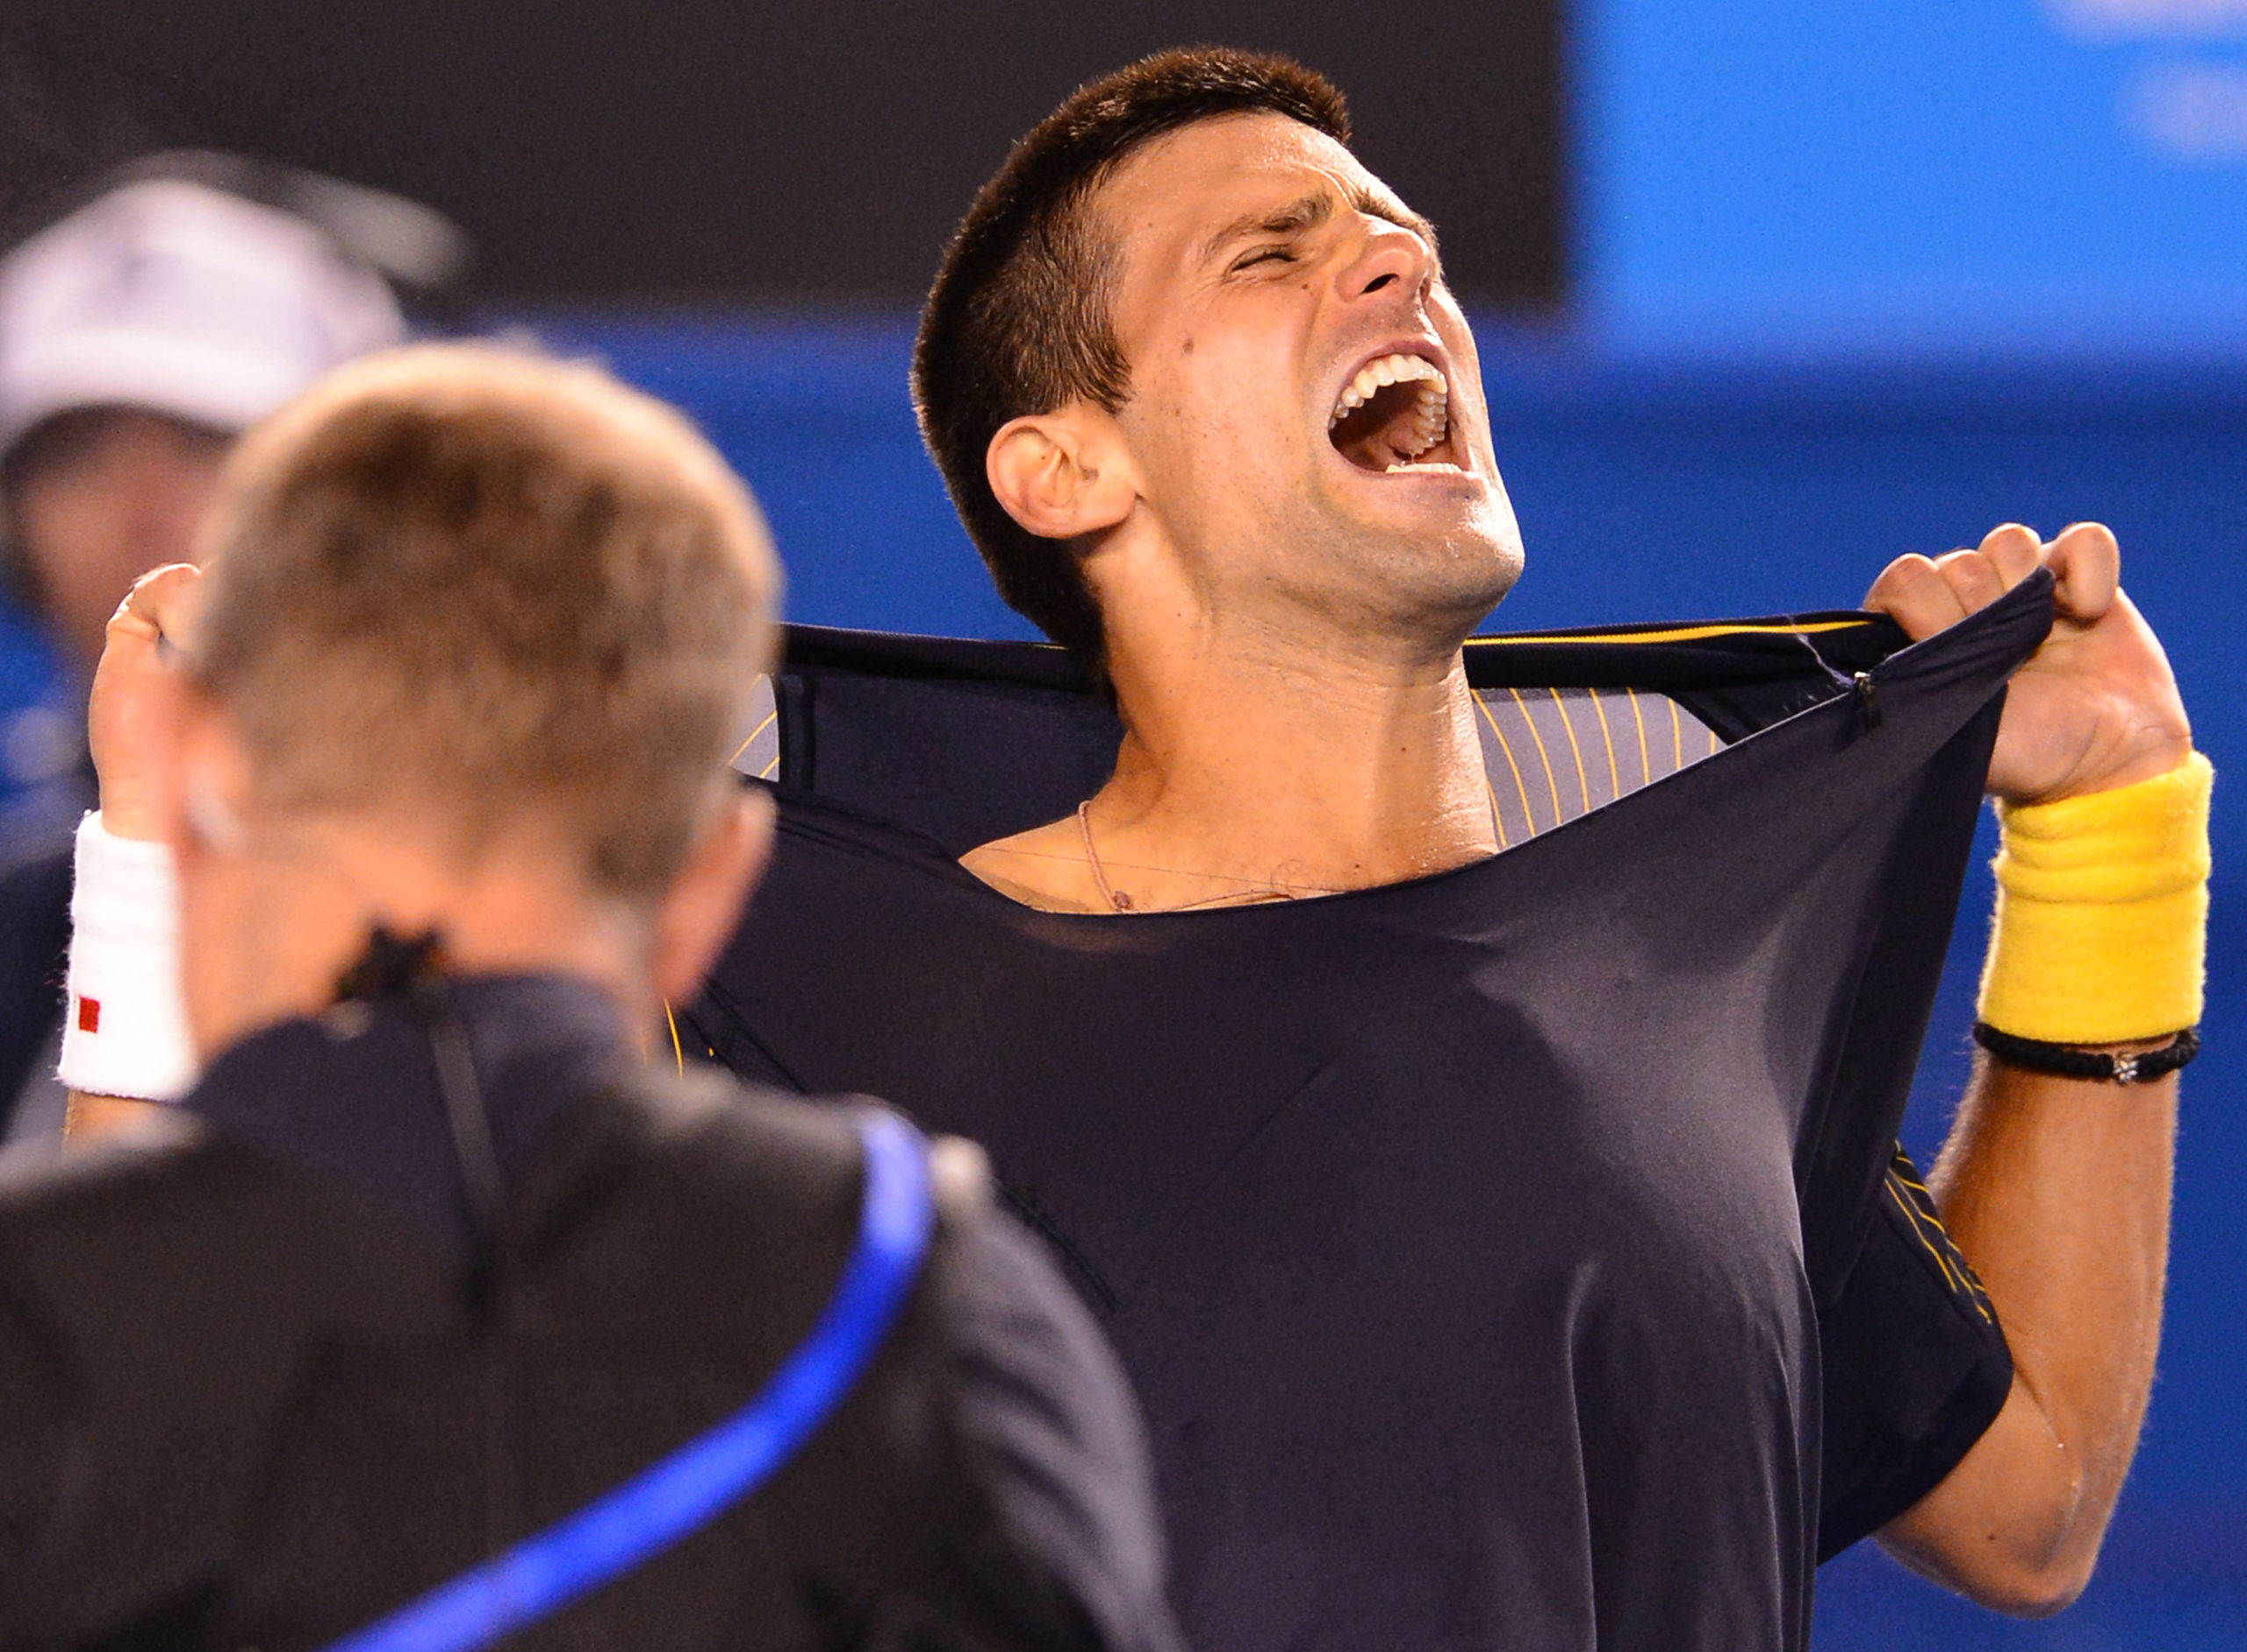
(262, 1379)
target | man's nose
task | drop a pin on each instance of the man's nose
(1389, 259)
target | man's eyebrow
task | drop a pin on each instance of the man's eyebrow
(1305, 212)
(1311, 211)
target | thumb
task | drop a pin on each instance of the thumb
(2086, 566)
(158, 605)
(127, 721)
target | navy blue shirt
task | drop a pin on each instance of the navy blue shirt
(1475, 1243)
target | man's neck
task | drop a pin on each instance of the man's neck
(1260, 773)
(277, 929)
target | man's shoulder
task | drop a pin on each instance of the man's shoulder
(701, 1189)
(164, 1162)
(160, 1258)
(725, 1126)
(704, 1147)
(167, 1213)
(720, 1180)
(1004, 1360)
(705, 1126)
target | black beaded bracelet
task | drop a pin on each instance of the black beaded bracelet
(2068, 1062)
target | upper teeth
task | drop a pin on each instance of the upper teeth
(1430, 419)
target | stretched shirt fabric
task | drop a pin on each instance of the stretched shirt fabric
(1473, 1241)
(267, 1375)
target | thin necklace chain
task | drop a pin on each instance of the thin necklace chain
(1253, 892)
(1250, 893)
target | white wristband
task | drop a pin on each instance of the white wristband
(125, 1029)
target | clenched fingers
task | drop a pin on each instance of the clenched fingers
(1924, 595)
(2015, 552)
(1912, 591)
(2007, 556)
(1973, 578)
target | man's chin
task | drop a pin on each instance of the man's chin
(1475, 595)
(1437, 594)
(1505, 574)
(1459, 559)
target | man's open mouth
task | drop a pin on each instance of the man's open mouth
(1394, 415)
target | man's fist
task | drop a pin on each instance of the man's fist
(2096, 707)
(126, 719)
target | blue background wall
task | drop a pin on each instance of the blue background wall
(2050, 172)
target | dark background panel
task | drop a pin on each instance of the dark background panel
(700, 150)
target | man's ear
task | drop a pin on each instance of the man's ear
(203, 775)
(702, 908)
(1064, 474)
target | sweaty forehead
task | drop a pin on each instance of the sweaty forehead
(1170, 198)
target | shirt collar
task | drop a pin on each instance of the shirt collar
(352, 1098)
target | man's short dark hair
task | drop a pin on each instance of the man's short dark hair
(1018, 322)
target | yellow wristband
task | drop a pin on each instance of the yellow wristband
(2100, 931)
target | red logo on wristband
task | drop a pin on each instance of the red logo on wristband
(89, 1015)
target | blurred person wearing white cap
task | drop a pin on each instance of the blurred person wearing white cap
(138, 336)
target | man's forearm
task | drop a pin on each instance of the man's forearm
(2055, 1188)
(2057, 1191)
